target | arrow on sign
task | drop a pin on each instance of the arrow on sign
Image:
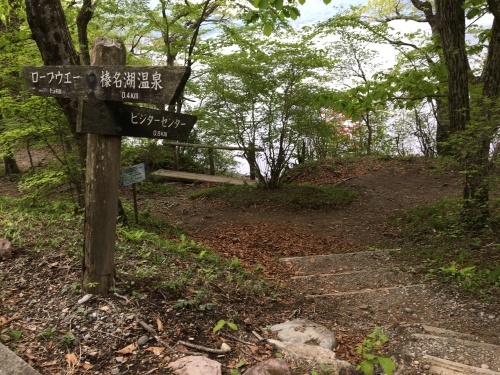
(119, 119)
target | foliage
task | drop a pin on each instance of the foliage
(13, 334)
(371, 351)
(146, 257)
(260, 93)
(448, 252)
(46, 333)
(290, 196)
(221, 323)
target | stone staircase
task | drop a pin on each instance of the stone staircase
(426, 325)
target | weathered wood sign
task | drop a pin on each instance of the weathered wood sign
(119, 119)
(148, 84)
(100, 88)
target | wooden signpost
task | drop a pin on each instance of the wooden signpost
(147, 84)
(99, 88)
(118, 119)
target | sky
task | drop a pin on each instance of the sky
(317, 10)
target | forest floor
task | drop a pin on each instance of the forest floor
(31, 284)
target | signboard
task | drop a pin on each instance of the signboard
(132, 175)
(148, 84)
(119, 119)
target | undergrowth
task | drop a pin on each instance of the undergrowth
(436, 238)
(143, 259)
(290, 196)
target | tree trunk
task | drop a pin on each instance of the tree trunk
(451, 17)
(50, 31)
(476, 192)
(10, 163)
(473, 147)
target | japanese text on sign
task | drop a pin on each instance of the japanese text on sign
(125, 80)
(148, 119)
(133, 174)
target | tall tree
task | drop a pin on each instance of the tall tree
(259, 93)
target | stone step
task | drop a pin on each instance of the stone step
(437, 331)
(402, 305)
(350, 281)
(445, 351)
(446, 367)
(347, 262)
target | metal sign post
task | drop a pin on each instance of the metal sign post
(131, 176)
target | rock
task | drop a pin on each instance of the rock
(143, 340)
(317, 354)
(196, 365)
(225, 347)
(305, 332)
(274, 366)
(5, 249)
(115, 371)
(84, 299)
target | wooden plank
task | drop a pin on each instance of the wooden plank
(148, 84)
(119, 119)
(201, 145)
(198, 177)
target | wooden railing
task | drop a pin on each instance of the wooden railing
(211, 148)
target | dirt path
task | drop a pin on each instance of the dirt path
(432, 330)
(331, 275)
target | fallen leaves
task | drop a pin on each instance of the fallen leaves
(159, 325)
(255, 245)
(73, 361)
(129, 349)
(156, 350)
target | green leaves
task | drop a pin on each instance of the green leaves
(371, 352)
(387, 365)
(221, 323)
(268, 29)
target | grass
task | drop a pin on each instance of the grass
(436, 239)
(144, 259)
(290, 196)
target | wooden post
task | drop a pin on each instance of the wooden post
(211, 161)
(175, 150)
(251, 160)
(101, 190)
(136, 211)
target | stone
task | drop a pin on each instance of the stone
(11, 364)
(142, 340)
(273, 366)
(305, 332)
(196, 365)
(306, 352)
(85, 298)
(5, 249)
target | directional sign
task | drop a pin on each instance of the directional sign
(148, 84)
(132, 175)
(119, 119)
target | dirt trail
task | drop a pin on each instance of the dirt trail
(354, 292)
(431, 330)
(330, 275)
